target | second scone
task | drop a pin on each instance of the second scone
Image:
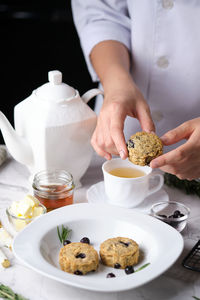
(143, 147)
(119, 252)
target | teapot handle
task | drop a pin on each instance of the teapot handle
(90, 94)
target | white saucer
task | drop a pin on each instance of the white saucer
(96, 194)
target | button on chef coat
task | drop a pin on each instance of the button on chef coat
(164, 41)
(168, 4)
(162, 62)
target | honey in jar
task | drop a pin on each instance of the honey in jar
(53, 189)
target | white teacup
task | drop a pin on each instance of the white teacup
(128, 192)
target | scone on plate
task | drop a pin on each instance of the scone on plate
(78, 258)
(119, 252)
(143, 147)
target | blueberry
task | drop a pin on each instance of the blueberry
(148, 159)
(163, 216)
(176, 216)
(110, 275)
(66, 242)
(85, 240)
(81, 255)
(125, 244)
(177, 213)
(77, 272)
(117, 266)
(131, 144)
(129, 270)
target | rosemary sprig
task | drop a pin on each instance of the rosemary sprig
(188, 187)
(195, 298)
(7, 293)
(142, 267)
(63, 233)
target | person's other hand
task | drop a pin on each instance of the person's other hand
(120, 101)
(184, 161)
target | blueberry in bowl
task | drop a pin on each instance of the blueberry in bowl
(173, 213)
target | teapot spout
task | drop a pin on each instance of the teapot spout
(90, 94)
(17, 145)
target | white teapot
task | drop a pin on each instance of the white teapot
(53, 126)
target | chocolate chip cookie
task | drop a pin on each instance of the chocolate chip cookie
(78, 258)
(119, 252)
(143, 147)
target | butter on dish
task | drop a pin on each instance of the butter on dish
(22, 212)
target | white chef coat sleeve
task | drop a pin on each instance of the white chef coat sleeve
(100, 20)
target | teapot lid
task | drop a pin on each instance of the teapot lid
(55, 89)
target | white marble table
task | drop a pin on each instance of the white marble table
(177, 283)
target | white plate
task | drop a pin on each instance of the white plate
(37, 246)
(96, 194)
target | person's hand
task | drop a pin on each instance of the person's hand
(184, 161)
(120, 101)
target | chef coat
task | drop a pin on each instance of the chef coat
(163, 37)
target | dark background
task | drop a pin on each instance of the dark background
(36, 37)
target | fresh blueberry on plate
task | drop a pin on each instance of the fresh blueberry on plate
(117, 266)
(85, 240)
(77, 272)
(110, 275)
(66, 242)
(129, 270)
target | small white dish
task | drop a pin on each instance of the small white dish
(37, 246)
(96, 195)
(173, 213)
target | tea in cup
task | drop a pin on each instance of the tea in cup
(126, 184)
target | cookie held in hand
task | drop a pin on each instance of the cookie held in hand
(143, 147)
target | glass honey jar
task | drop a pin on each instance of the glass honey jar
(53, 188)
